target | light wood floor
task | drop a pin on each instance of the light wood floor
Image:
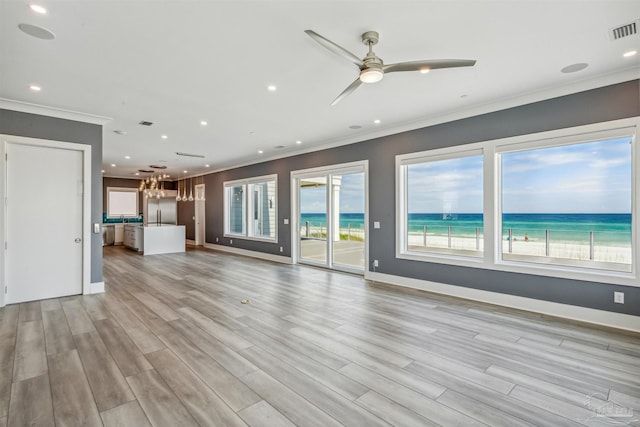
(170, 344)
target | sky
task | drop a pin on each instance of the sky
(313, 199)
(592, 177)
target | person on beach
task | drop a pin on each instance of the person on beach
(526, 237)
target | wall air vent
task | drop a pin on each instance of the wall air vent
(145, 123)
(624, 30)
(157, 167)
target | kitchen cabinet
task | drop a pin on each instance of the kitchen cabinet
(133, 237)
(119, 234)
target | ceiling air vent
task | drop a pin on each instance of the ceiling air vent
(624, 30)
(146, 170)
(145, 123)
(157, 167)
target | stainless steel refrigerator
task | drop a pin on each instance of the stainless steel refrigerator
(163, 211)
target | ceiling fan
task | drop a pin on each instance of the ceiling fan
(371, 67)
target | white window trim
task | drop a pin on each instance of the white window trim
(246, 209)
(492, 201)
(124, 190)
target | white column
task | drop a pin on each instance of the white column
(336, 182)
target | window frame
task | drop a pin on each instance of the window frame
(402, 250)
(123, 190)
(248, 208)
(492, 198)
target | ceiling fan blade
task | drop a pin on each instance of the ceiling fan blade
(338, 50)
(431, 64)
(353, 86)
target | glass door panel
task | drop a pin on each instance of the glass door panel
(313, 219)
(347, 220)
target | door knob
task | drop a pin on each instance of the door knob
(78, 240)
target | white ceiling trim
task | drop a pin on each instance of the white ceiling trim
(42, 110)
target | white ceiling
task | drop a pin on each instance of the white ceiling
(175, 63)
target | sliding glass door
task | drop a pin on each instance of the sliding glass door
(331, 217)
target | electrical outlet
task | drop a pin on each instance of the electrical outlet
(618, 297)
(376, 224)
(286, 221)
(376, 263)
(281, 249)
(217, 240)
(231, 242)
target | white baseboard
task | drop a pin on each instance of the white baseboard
(583, 314)
(253, 254)
(96, 288)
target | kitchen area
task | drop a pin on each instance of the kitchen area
(144, 220)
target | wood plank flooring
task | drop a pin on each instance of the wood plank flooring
(170, 344)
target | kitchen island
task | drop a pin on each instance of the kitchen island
(163, 239)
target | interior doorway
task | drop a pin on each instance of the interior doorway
(330, 216)
(47, 219)
(200, 228)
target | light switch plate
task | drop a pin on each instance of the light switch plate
(96, 228)
(376, 224)
(286, 221)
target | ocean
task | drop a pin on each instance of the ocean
(609, 229)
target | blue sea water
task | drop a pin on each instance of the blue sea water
(609, 229)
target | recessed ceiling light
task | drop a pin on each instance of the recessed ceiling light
(38, 9)
(573, 68)
(127, 157)
(37, 32)
(298, 142)
(120, 132)
(102, 170)
(35, 88)
(206, 166)
(113, 165)
(137, 173)
(271, 88)
(424, 70)
(630, 53)
(376, 121)
(203, 123)
(260, 151)
(164, 136)
(185, 171)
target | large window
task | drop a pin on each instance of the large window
(444, 205)
(569, 204)
(250, 208)
(559, 203)
(122, 202)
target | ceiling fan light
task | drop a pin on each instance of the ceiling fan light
(371, 75)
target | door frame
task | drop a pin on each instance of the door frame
(345, 168)
(85, 150)
(197, 217)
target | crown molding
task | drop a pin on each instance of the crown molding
(42, 110)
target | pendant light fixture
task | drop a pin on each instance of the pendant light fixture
(184, 190)
(191, 192)
(178, 198)
(153, 186)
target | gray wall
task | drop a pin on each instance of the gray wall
(43, 127)
(598, 105)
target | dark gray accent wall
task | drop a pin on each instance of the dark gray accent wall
(51, 128)
(597, 105)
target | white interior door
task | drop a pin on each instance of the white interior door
(44, 255)
(200, 222)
